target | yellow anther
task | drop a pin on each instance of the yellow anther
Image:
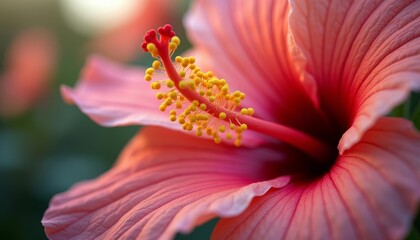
(222, 129)
(156, 64)
(189, 127)
(178, 59)
(150, 71)
(181, 120)
(203, 106)
(178, 105)
(147, 77)
(199, 133)
(243, 127)
(209, 93)
(168, 102)
(182, 73)
(151, 47)
(173, 95)
(222, 115)
(185, 62)
(172, 46)
(232, 126)
(195, 102)
(242, 97)
(183, 84)
(192, 118)
(209, 74)
(202, 92)
(192, 108)
(250, 111)
(217, 140)
(212, 98)
(170, 83)
(244, 111)
(159, 96)
(176, 40)
(225, 89)
(162, 107)
(172, 112)
(200, 74)
(191, 60)
(192, 66)
(228, 136)
(172, 118)
(155, 85)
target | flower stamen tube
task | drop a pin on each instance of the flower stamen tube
(204, 103)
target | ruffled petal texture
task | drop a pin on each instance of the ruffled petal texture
(365, 62)
(164, 182)
(113, 95)
(246, 42)
(371, 192)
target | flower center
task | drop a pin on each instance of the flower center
(203, 102)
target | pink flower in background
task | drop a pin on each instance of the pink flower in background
(329, 70)
(121, 42)
(29, 66)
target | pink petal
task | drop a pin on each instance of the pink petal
(365, 62)
(246, 43)
(372, 192)
(113, 95)
(164, 182)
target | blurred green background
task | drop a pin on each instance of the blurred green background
(50, 146)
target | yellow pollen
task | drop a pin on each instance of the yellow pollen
(150, 71)
(156, 64)
(183, 84)
(159, 96)
(203, 106)
(176, 40)
(172, 46)
(147, 77)
(229, 136)
(170, 83)
(151, 47)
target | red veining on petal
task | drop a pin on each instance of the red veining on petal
(187, 82)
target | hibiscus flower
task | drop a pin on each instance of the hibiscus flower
(316, 73)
